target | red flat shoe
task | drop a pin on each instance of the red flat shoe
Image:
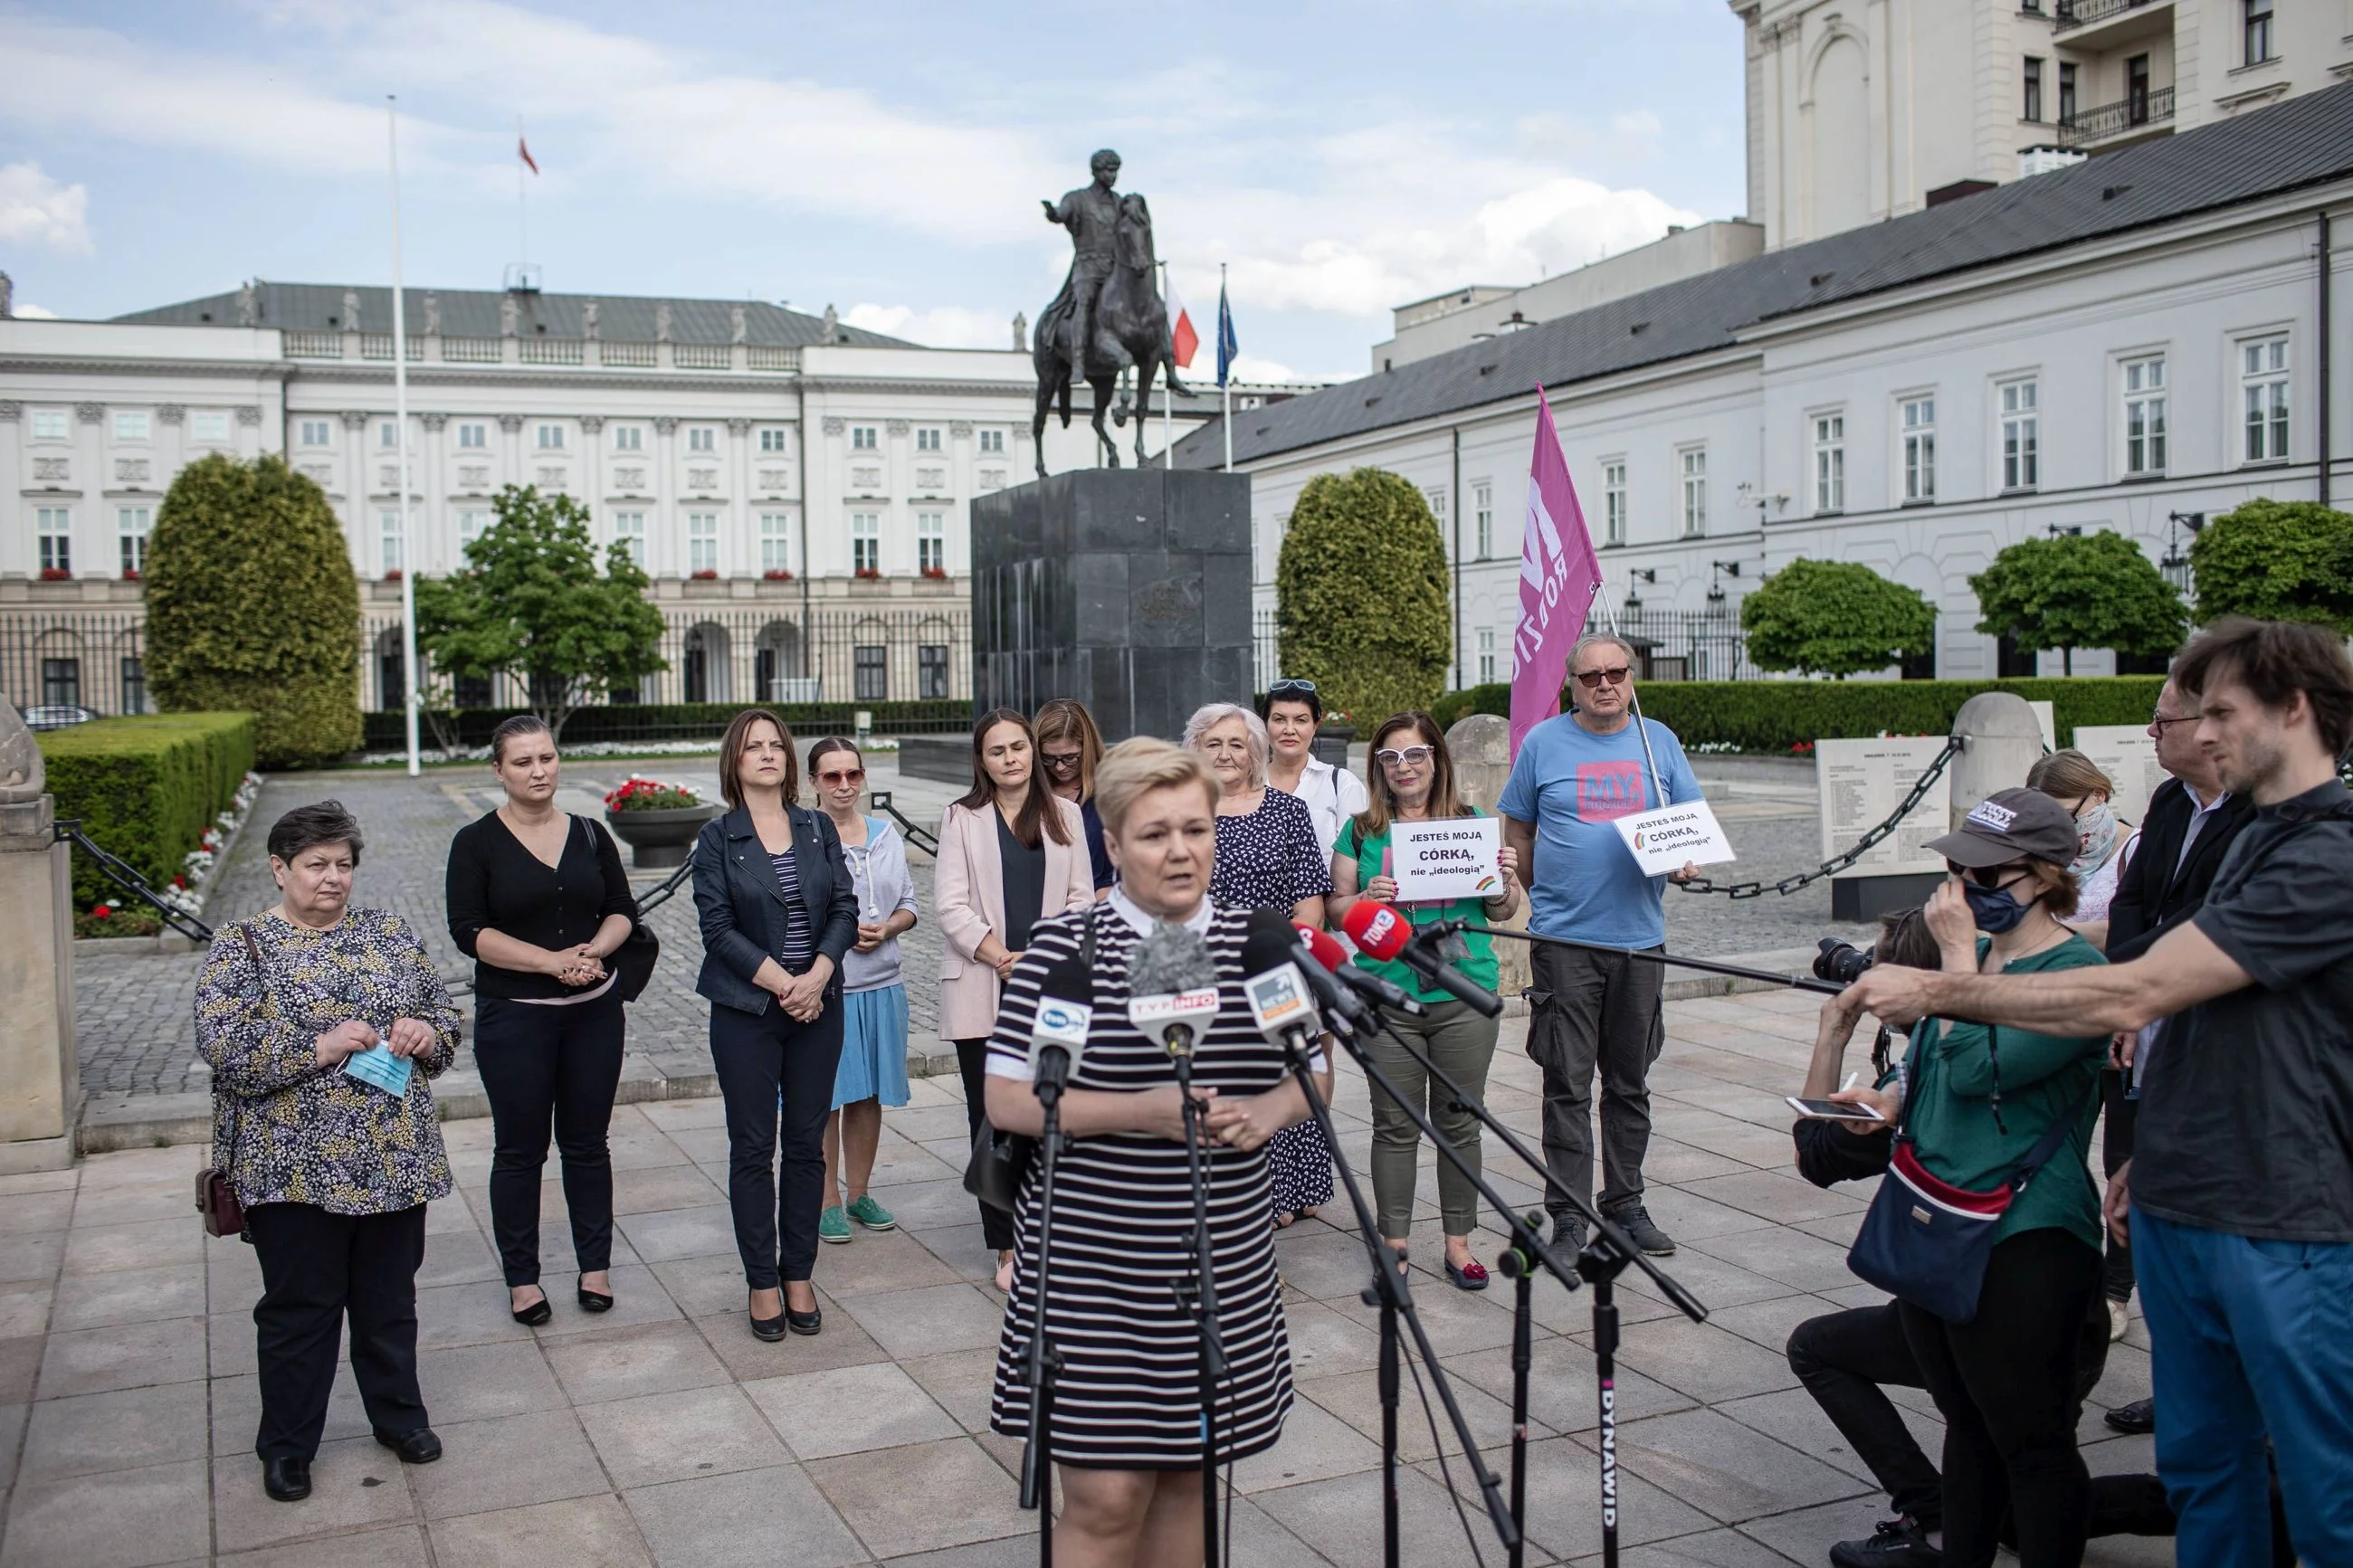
(1471, 1275)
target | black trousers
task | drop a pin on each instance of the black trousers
(776, 1077)
(2115, 1148)
(316, 1269)
(543, 1068)
(1589, 1010)
(972, 1058)
(2006, 1386)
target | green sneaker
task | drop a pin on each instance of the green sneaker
(833, 1225)
(871, 1215)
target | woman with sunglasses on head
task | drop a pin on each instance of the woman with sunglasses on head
(1012, 853)
(1411, 779)
(873, 1071)
(1975, 1101)
(1293, 714)
(1069, 748)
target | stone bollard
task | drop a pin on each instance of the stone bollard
(2001, 740)
(40, 1079)
(1481, 747)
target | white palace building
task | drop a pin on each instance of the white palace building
(2011, 268)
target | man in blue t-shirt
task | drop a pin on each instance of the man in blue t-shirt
(1574, 776)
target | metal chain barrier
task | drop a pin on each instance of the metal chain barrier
(1838, 862)
(127, 878)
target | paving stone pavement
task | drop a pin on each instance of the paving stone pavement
(665, 1435)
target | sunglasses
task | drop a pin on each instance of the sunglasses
(1058, 761)
(1412, 756)
(1288, 687)
(842, 776)
(1987, 876)
(1592, 679)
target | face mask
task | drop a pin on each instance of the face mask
(2095, 827)
(1995, 909)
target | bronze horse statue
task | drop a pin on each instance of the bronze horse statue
(1131, 332)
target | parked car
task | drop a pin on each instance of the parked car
(57, 716)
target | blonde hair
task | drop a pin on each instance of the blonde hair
(1067, 718)
(1208, 716)
(1134, 768)
(2069, 775)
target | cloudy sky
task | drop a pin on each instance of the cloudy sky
(880, 156)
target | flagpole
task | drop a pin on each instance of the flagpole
(400, 421)
(1225, 373)
(1167, 388)
(523, 204)
(1634, 701)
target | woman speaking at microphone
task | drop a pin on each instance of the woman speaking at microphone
(1125, 1422)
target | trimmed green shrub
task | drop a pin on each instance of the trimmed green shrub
(1777, 715)
(252, 608)
(2276, 560)
(627, 721)
(145, 789)
(1836, 618)
(1361, 595)
(2080, 590)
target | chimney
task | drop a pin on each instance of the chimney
(8, 297)
(1021, 333)
(832, 326)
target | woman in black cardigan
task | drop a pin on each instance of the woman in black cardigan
(778, 911)
(538, 900)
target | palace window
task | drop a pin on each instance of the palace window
(209, 426)
(387, 435)
(1917, 419)
(628, 439)
(2033, 107)
(473, 437)
(992, 441)
(862, 438)
(775, 441)
(703, 542)
(1830, 462)
(2021, 435)
(53, 525)
(551, 438)
(927, 439)
(2258, 31)
(1482, 522)
(388, 552)
(1613, 502)
(630, 531)
(2262, 393)
(932, 540)
(49, 423)
(866, 541)
(775, 541)
(130, 425)
(1486, 656)
(2144, 390)
(1694, 463)
(131, 526)
(702, 439)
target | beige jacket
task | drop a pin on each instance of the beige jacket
(968, 901)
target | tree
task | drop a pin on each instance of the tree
(1361, 595)
(1836, 618)
(2276, 560)
(252, 606)
(530, 604)
(2080, 590)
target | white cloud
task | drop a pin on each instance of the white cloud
(945, 327)
(37, 210)
(33, 312)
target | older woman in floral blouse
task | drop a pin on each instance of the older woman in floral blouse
(322, 1025)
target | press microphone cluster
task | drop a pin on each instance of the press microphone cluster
(1057, 1039)
(1172, 987)
(1432, 952)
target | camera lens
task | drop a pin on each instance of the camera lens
(1840, 963)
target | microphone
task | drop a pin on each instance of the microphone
(1172, 987)
(1319, 958)
(1380, 931)
(1281, 1002)
(1058, 1038)
(1328, 952)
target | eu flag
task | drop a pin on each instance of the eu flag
(1227, 348)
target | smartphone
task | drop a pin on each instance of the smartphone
(1832, 1110)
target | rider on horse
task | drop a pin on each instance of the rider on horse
(1091, 214)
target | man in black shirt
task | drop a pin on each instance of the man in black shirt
(2239, 1203)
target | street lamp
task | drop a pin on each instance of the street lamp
(2176, 563)
(1719, 570)
(1647, 573)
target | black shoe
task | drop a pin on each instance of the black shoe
(285, 1481)
(807, 1323)
(1567, 1235)
(1896, 1544)
(538, 1312)
(768, 1330)
(590, 1301)
(1635, 1221)
(417, 1447)
(2136, 1418)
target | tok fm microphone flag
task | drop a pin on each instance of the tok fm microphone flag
(1227, 347)
(1181, 330)
(523, 150)
(1559, 575)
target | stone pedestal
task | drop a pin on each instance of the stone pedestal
(1126, 588)
(1480, 748)
(40, 1077)
(2001, 740)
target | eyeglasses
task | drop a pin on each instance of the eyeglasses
(1987, 876)
(2159, 720)
(842, 776)
(1411, 757)
(1592, 679)
(1059, 760)
(1290, 686)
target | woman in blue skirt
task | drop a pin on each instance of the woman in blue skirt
(873, 1071)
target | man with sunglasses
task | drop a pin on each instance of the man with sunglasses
(1575, 775)
(2238, 1204)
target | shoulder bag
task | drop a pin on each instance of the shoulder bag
(1925, 1240)
(633, 961)
(1000, 1159)
(216, 1201)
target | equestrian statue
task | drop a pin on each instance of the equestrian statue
(1109, 317)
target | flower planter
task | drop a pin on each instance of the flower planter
(658, 839)
(1330, 744)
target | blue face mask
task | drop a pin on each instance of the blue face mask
(1995, 909)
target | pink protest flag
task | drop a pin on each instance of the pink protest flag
(1559, 575)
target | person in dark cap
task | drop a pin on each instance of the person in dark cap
(1974, 1101)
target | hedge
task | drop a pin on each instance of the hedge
(145, 789)
(1775, 715)
(626, 721)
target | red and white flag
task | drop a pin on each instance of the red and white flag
(1559, 575)
(523, 150)
(1180, 325)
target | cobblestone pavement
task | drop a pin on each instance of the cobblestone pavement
(663, 1436)
(132, 1010)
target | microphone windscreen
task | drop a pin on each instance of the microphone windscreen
(1267, 941)
(1325, 949)
(1376, 928)
(1169, 961)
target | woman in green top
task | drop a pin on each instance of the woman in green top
(1409, 778)
(1979, 1100)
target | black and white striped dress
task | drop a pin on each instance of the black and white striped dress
(1129, 1393)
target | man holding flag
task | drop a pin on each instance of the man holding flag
(1574, 775)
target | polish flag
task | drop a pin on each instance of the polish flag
(1181, 326)
(523, 150)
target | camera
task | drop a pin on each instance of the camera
(1841, 962)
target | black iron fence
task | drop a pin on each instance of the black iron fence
(1671, 645)
(74, 658)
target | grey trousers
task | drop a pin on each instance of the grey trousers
(1589, 1010)
(1462, 1044)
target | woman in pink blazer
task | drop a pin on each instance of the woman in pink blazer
(1012, 853)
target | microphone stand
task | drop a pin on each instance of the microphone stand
(1737, 971)
(1200, 1299)
(1045, 1362)
(1520, 1268)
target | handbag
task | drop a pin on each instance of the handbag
(222, 1210)
(633, 961)
(1925, 1240)
(1001, 1159)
